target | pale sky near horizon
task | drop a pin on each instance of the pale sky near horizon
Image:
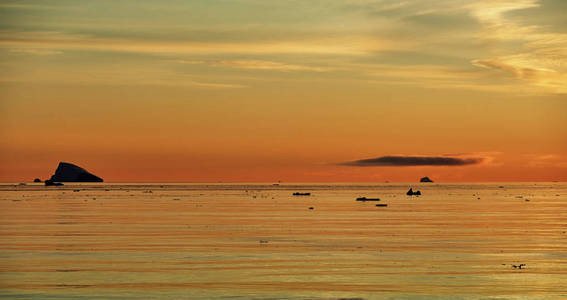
(251, 90)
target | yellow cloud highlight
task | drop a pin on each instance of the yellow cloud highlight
(541, 61)
(256, 65)
(492, 11)
(348, 45)
(545, 78)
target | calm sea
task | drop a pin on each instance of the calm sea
(258, 241)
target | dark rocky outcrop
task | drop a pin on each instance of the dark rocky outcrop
(37, 180)
(50, 182)
(67, 172)
(412, 193)
(425, 179)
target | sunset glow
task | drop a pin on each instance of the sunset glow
(291, 91)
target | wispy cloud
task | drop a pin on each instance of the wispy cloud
(541, 60)
(532, 73)
(24, 6)
(215, 85)
(35, 51)
(545, 160)
(117, 76)
(345, 45)
(406, 161)
(256, 65)
(492, 14)
(484, 42)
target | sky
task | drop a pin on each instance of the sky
(291, 91)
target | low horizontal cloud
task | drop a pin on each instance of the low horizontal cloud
(407, 161)
(255, 65)
(345, 45)
(34, 51)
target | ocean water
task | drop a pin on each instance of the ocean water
(257, 241)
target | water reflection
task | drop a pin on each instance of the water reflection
(253, 240)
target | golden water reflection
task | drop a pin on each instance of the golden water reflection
(259, 241)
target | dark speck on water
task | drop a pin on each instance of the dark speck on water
(367, 199)
(301, 194)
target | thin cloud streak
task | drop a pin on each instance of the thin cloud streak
(407, 161)
(32, 51)
(119, 76)
(50, 40)
(255, 65)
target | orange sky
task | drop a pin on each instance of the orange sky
(152, 93)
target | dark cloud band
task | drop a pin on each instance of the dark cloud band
(406, 161)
